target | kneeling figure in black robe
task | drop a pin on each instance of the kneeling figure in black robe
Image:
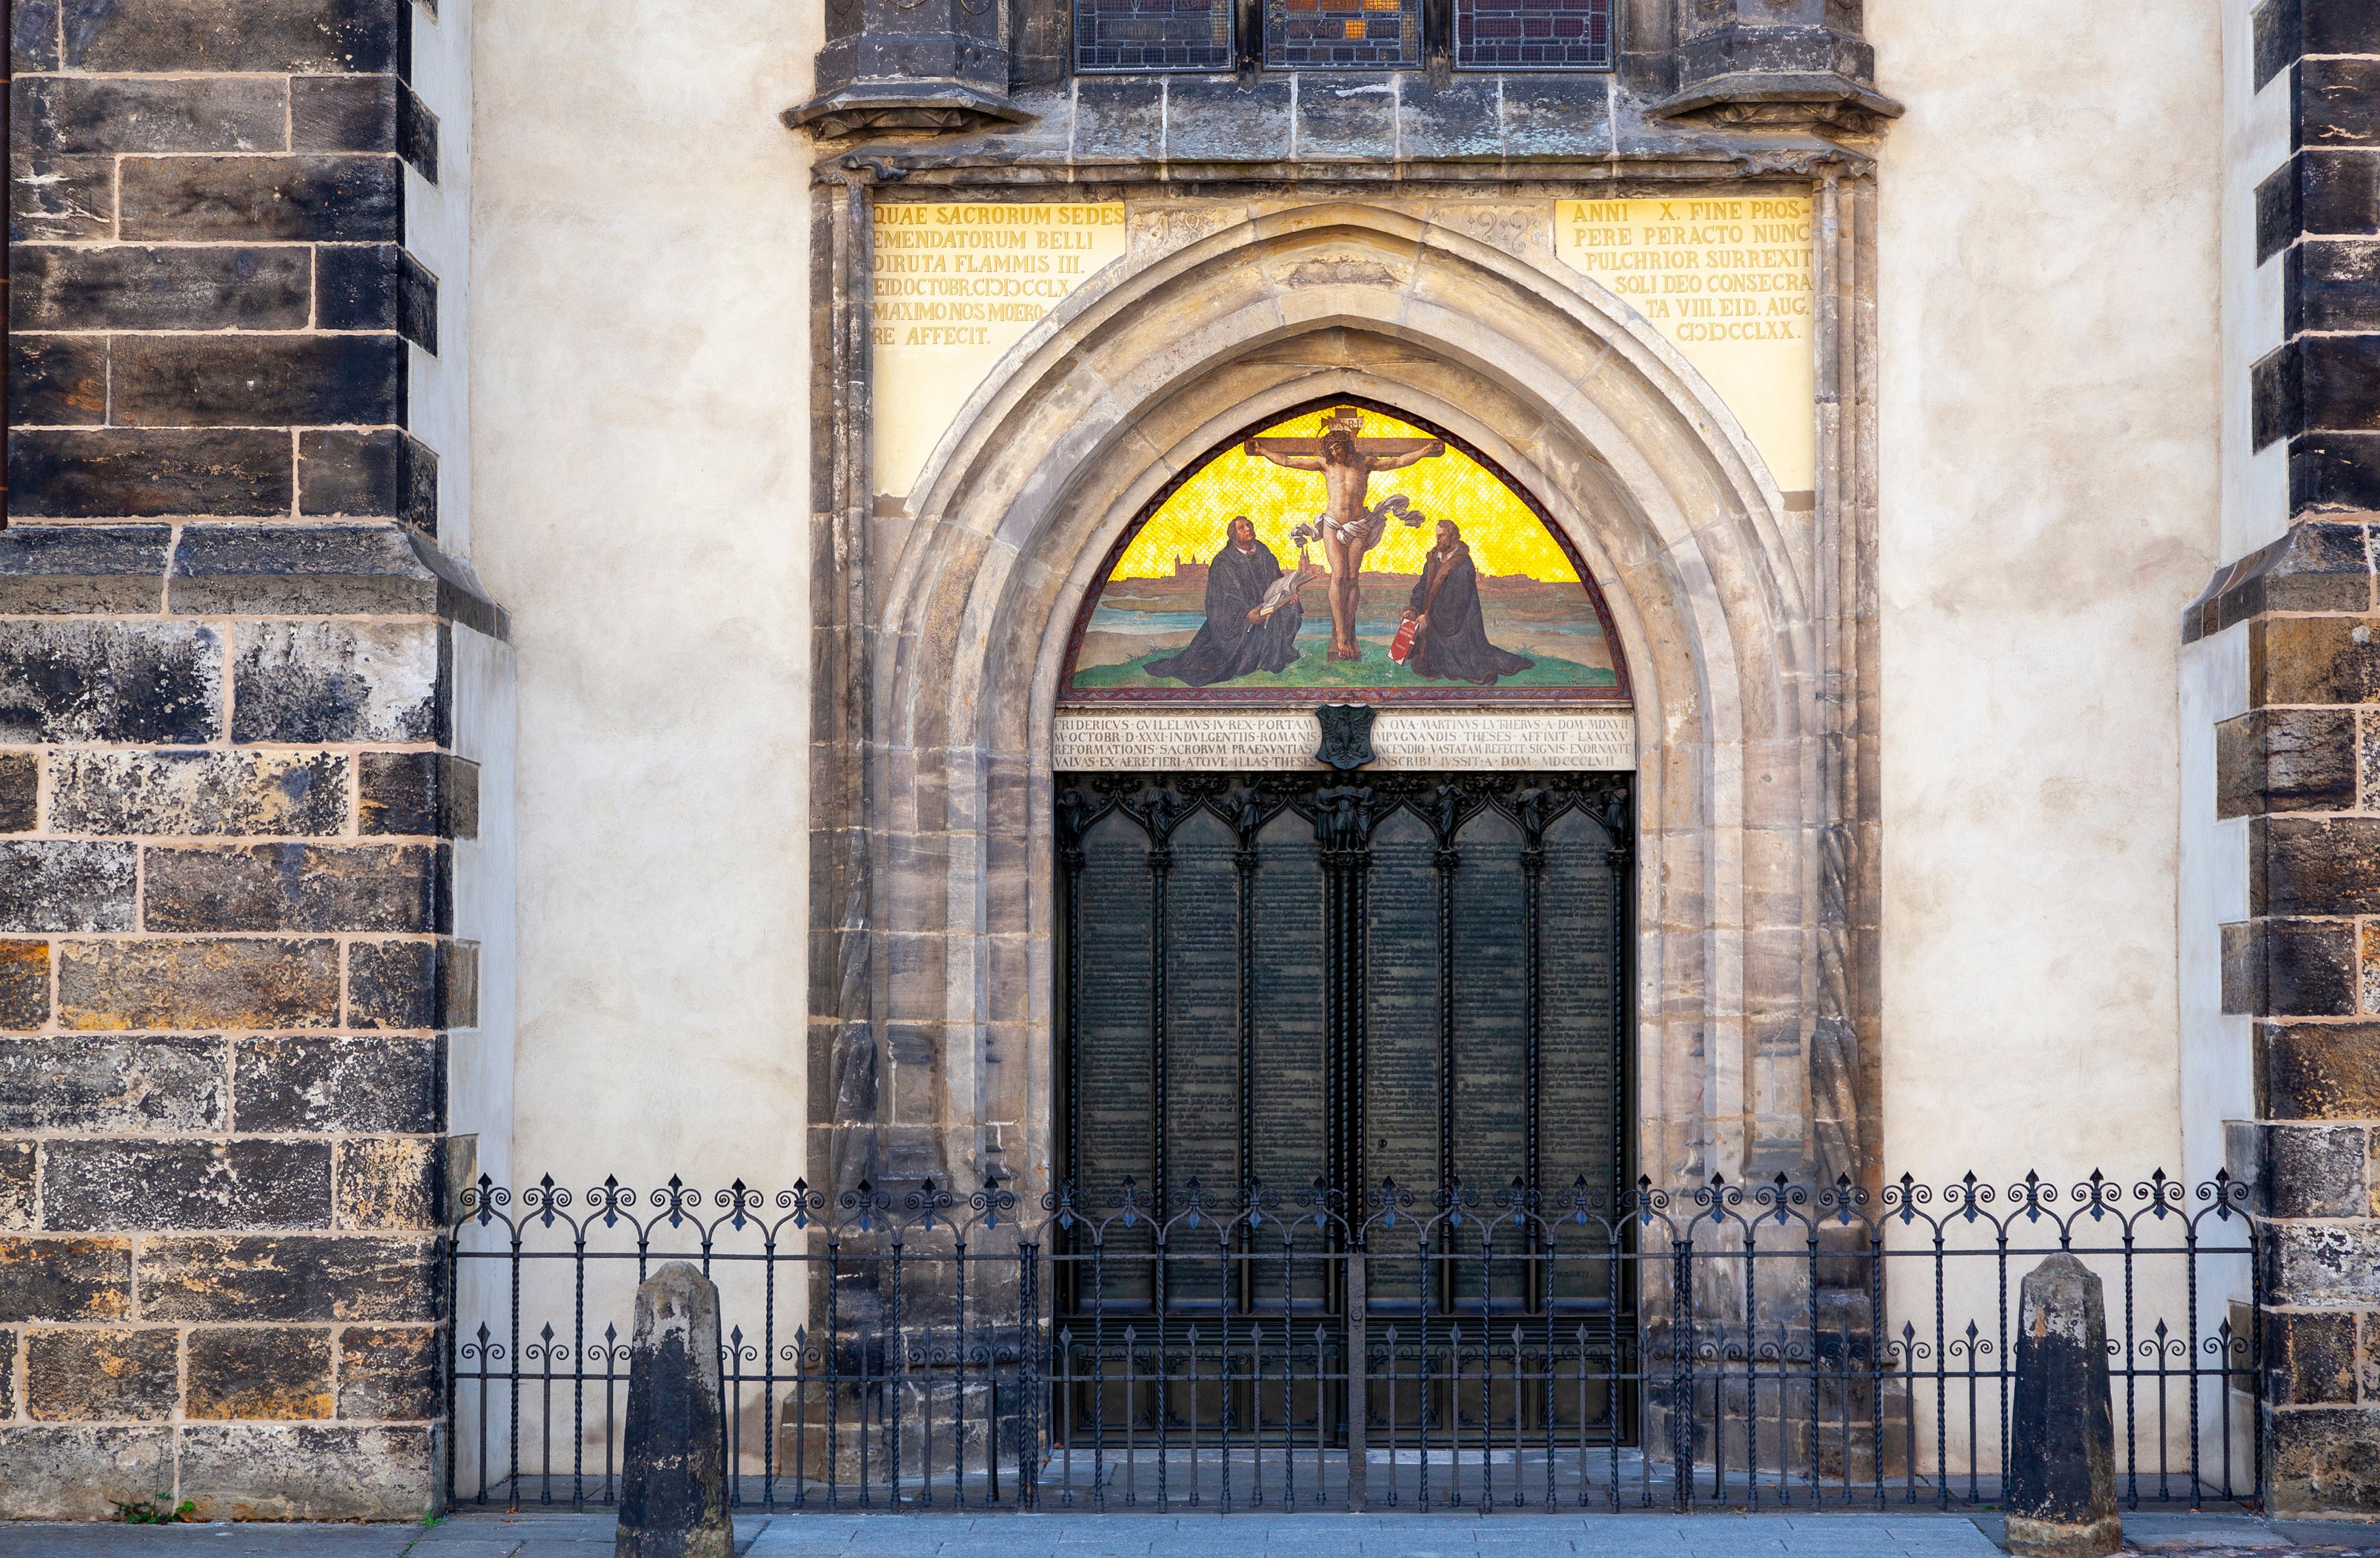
(1451, 635)
(1238, 638)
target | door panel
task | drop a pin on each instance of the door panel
(1292, 978)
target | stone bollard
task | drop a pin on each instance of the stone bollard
(2061, 1482)
(674, 1464)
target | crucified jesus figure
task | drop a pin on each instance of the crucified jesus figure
(1350, 526)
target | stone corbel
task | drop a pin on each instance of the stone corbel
(931, 66)
(1777, 64)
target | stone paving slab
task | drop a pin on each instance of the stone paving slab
(1209, 1536)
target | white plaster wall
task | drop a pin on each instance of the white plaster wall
(2218, 1077)
(640, 369)
(2256, 142)
(438, 233)
(2048, 312)
(479, 1059)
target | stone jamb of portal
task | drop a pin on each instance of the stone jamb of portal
(936, 1037)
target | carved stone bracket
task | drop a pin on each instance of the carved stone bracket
(935, 66)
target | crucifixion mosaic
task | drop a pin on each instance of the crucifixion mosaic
(1344, 552)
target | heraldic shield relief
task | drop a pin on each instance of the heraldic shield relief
(1343, 553)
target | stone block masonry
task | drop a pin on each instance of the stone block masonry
(228, 794)
(2302, 765)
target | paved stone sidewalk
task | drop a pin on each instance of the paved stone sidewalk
(1238, 1536)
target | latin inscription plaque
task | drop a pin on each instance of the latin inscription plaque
(955, 285)
(1728, 281)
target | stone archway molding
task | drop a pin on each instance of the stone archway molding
(949, 625)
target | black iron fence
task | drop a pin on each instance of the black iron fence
(1745, 1346)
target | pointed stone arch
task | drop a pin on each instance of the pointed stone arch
(945, 631)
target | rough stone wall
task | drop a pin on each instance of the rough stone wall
(2304, 765)
(226, 635)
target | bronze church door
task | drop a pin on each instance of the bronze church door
(1296, 992)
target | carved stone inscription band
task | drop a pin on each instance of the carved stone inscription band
(1211, 739)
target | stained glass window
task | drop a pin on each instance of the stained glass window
(1342, 34)
(1153, 35)
(1532, 34)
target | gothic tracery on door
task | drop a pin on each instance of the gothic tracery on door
(1323, 987)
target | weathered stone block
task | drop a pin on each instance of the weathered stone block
(137, 472)
(7, 1375)
(2310, 1356)
(2318, 1071)
(300, 570)
(303, 682)
(110, 681)
(431, 794)
(134, 288)
(2319, 192)
(389, 1183)
(64, 1280)
(87, 114)
(21, 792)
(2323, 1263)
(24, 984)
(377, 286)
(400, 888)
(101, 1376)
(2314, 1171)
(59, 1472)
(104, 1184)
(413, 984)
(2285, 760)
(67, 884)
(283, 1372)
(2315, 383)
(301, 199)
(19, 1186)
(61, 200)
(337, 1277)
(259, 36)
(244, 381)
(2308, 866)
(33, 42)
(387, 1371)
(2312, 660)
(2290, 967)
(201, 983)
(2336, 102)
(417, 136)
(57, 380)
(2323, 1458)
(88, 1082)
(2335, 473)
(384, 471)
(327, 1083)
(2369, 963)
(321, 1471)
(199, 792)
(82, 567)
(2331, 284)
(343, 113)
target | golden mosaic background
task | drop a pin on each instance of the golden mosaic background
(1506, 539)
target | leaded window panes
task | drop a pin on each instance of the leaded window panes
(1342, 34)
(1532, 34)
(1153, 35)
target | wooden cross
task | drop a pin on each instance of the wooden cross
(1378, 448)
(1404, 451)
